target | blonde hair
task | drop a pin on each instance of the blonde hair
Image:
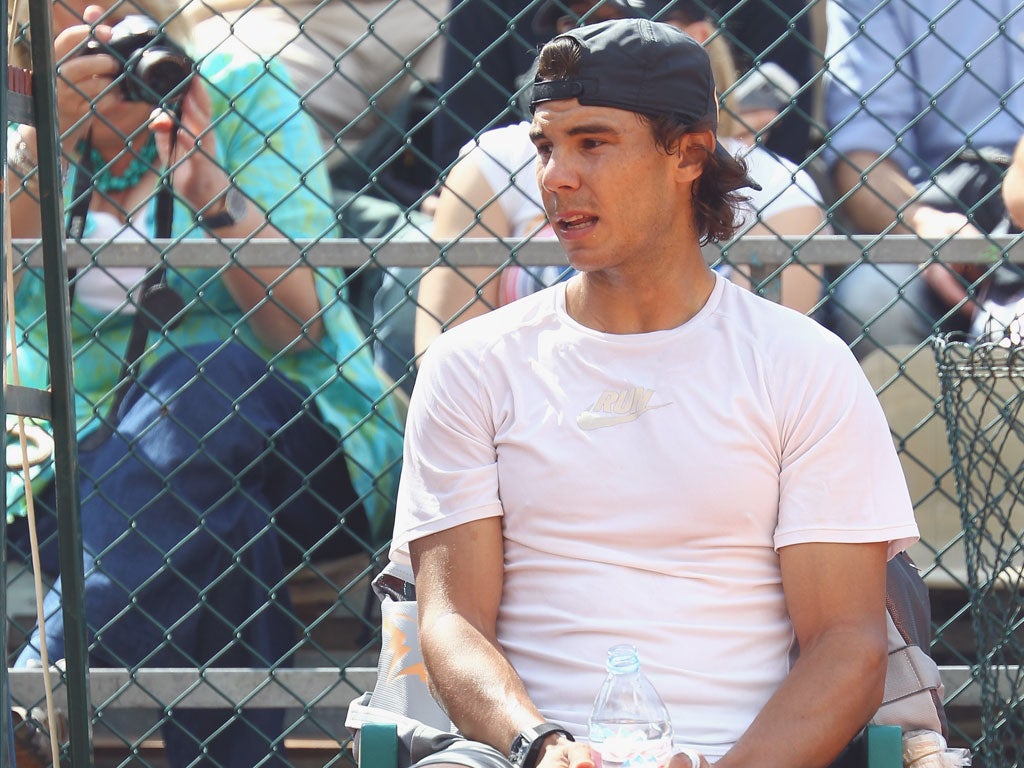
(724, 71)
(723, 68)
(169, 13)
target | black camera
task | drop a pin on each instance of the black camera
(154, 69)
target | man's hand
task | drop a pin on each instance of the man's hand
(559, 752)
(688, 759)
(933, 224)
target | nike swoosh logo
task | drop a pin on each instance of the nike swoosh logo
(588, 421)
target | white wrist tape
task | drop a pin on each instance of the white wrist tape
(692, 755)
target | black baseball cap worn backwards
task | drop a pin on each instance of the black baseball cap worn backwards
(642, 66)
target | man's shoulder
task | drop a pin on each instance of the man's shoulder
(778, 329)
(514, 134)
(508, 146)
(777, 176)
(506, 325)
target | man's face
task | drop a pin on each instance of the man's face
(610, 193)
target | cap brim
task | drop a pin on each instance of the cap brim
(727, 160)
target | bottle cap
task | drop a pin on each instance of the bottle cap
(623, 658)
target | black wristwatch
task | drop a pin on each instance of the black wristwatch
(526, 747)
(235, 208)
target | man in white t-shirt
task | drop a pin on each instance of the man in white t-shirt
(647, 453)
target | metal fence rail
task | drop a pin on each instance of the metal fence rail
(752, 250)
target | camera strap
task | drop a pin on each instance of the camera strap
(158, 306)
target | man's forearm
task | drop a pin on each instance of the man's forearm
(832, 691)
(475, 683)
(22, 161)
(878, 190)
(459, 578)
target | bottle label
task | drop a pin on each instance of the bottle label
(631, 745)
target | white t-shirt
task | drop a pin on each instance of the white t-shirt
(646, 483)
(784, 186)
(507, 159)
(111, 289)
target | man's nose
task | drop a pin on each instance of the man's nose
(558, 172)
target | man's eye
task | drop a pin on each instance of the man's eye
(592, 143)
(543, 150)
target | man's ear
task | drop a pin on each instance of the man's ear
(694, 151)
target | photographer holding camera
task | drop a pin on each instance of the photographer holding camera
(231, 422)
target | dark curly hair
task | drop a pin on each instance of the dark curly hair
(715, 197)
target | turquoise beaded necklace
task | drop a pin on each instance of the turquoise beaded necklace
(104, 180)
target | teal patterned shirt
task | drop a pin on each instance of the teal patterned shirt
(272, 152)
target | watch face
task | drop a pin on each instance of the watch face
(235, 208)
(520, 747)
(526, 748)
(235, 204)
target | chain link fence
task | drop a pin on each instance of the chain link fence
(981, 387)
(878, 129)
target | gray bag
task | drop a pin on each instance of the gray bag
(913, 684)
(401, 695)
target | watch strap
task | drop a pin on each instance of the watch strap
(526, 748)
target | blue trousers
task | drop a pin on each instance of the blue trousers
(218, 479)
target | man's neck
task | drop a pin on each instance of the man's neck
(658, 302)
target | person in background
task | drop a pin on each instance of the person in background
(250, 432)
(361, 68)
(492, 192)
(759, 97)
(1002, 320)
(919, 148)
(341, 56)
(777, 32)
(490, 45)
(647, 453)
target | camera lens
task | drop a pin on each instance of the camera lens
(154, 69)
(158, 76)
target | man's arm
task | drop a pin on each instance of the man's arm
(1013, 186)
(458, 586)
(879, 190)
(467, 208)
(835, 594)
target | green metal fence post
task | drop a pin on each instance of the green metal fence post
(58, 324)
(5, 697)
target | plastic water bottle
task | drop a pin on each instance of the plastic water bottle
(927, 749)
(629, 726)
